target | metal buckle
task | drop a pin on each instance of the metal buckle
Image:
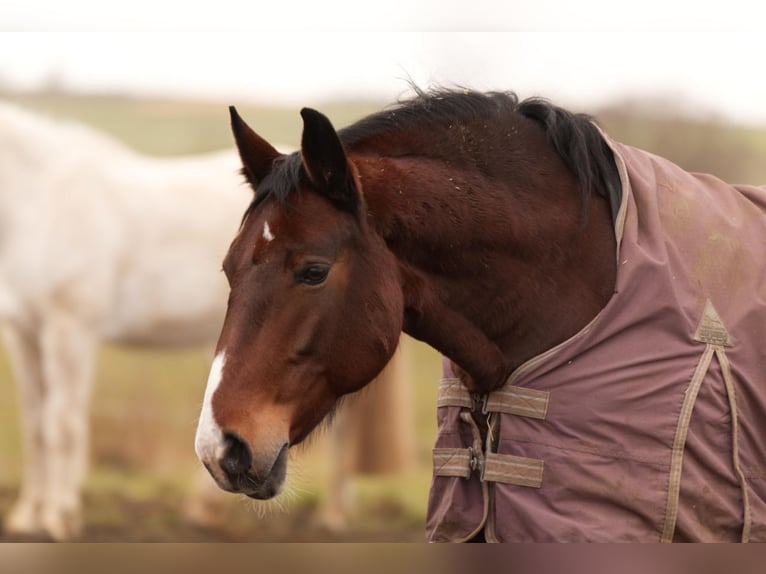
(474, 460)
(476, 398)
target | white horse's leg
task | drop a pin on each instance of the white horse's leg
(24, 355)
(68, 353)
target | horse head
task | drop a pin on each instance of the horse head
(314, 313)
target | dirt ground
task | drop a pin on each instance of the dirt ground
(121, 519)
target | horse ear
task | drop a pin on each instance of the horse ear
(325, 159)
(256, 153)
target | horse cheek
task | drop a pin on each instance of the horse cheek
(385, 324)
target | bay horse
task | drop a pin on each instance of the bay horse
(603, 378)
(101, 243)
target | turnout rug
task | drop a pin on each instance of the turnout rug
(650, 423)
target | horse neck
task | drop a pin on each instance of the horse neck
(495, 267)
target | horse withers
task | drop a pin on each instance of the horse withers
(601, 309)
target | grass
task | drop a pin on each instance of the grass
(10, 452)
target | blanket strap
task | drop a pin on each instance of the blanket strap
(512, 400)
(728, 380)
(713, 333)
(493, 467)
(459, 462)
(677, 452)
(510, 469)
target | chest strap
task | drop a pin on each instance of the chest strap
(492, 466)
(509, 399)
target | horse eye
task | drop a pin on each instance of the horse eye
(313, 274)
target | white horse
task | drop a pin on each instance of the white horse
(97, 243)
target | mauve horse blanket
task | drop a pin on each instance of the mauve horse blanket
(650, 423)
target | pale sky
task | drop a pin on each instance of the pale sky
(583, 53)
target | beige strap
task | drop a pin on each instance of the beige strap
(506, 468)
(511, 469)
(453, 462)
(728, 380)
(509, 399)
(452, 393)
(519, 401)
(677, 456)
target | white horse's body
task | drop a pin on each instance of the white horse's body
(97, 242)
(90, 224)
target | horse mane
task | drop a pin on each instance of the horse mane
(581, 146)
(436, 107)
(575, 137)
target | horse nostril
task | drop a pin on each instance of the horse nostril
(237, 457)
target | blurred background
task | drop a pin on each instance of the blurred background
(682, 81)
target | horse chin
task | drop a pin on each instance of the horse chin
(266, 492)
(258, 485)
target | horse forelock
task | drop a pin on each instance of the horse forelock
(287, 175)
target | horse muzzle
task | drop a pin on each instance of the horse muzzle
(238, 471)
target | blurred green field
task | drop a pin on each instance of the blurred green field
(170, 127)
(146, 402)
(734, 153)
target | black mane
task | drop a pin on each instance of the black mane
(582, 148)
(429, 109)
(574, 136)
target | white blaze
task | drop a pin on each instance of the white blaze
(209, 440)
(267, 234)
